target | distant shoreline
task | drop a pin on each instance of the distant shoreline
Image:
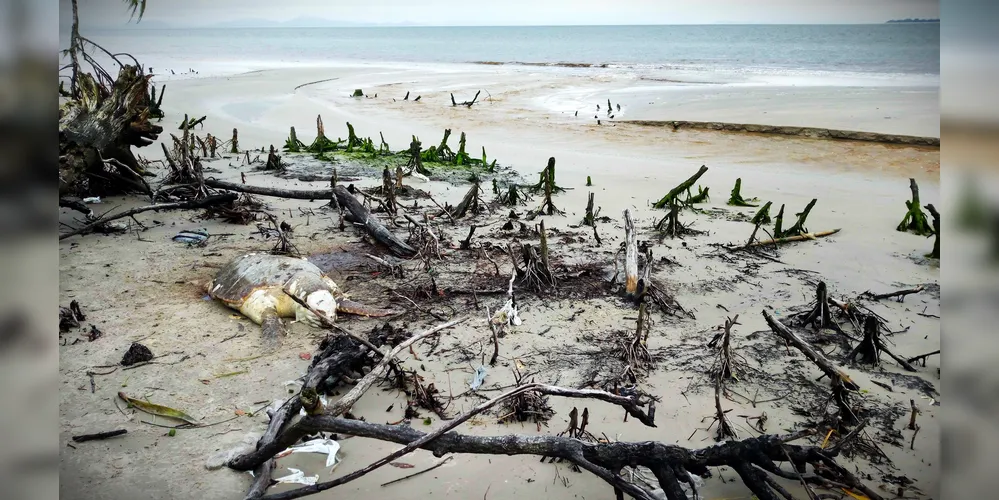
(153, 25)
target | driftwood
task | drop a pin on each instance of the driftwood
(789, 239)
(900, 294)
(322, 194)
(371, 224)
(100, 435)
(751, 458)
(630, 256)
(200, 203)
(683, 187)
(827, 367)
(277, 438)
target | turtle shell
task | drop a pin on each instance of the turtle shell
(247, 273)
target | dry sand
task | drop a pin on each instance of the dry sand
(144, 286)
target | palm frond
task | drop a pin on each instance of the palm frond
(136, 6)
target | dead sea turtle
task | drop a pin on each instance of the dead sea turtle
(254, 284)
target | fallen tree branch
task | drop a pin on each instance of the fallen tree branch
(789, 239)
(181, 205)
(670, 463)
(99, 435)
(899, 294)
(827, 367)
(320, 423)
(378, 231)
(274, 440)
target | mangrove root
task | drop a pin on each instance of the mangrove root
(799, 225)
(935, 253)
(736, 199)
(914, 220)
(292, 144)
(763, 214)
(683, 187)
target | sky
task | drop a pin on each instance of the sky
(192, 13)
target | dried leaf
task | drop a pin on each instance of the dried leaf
(240, 412)
(855, 495)
(160, 410)
(401, 465)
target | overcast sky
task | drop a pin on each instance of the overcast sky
(512, 12)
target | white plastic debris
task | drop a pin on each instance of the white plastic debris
(480, 376)
(92, 199)
(327, 447)
(508, 313)
(298, 477)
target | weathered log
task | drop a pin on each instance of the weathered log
(319, 194)
(789, 239)
(371, 224)
(827, 367)
(684, 186)
(630, 256)
(199, 203)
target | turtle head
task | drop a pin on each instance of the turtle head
(321, 301)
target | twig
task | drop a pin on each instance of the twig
(100, 435)
(438, 464)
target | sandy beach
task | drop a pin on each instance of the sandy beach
(140, 285)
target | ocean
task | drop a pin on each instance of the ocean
(887, 54)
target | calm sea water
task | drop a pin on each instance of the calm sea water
(902, 50)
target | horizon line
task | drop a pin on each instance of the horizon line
(350, 24)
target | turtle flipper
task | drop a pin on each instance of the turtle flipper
(350, 307)
(272, 328)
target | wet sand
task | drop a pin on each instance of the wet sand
(135, 289)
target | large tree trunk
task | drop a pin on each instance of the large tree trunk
(97, 131)
(100, 123)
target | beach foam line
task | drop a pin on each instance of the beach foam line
(549, 64)
(810, 132)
